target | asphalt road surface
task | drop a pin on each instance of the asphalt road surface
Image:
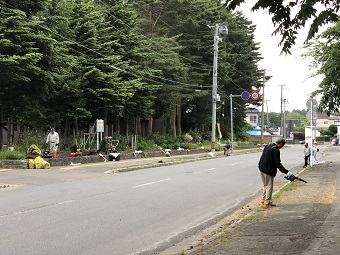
(85, 211)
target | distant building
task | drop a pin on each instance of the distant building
(255, 135)
(323, 121)
(252, 116)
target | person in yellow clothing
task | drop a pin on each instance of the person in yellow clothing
(53, 139)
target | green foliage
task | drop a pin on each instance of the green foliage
(12, 155)
(299, 129)
(145, 145)
(181, 252)
(245, 144)
(167, 141)
(322, 138)
(327, 133)
(325, 51)
(299, 115)
(29, 137)
(274, 119)
(333, 128)
(289, 17)
(67, 63)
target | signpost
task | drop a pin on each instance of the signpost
(312, 115)
(245, 95)
(99, 130)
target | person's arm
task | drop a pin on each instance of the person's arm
(277, 160)
(48, 138)
(57, 139)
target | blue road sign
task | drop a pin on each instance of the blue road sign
(245, 95)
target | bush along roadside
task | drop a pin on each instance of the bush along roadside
(12, 155)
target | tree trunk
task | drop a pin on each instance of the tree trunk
(150, 126)
(178, 120)
(126, 127)
(105, 122)
(67, 126)
(76, 126)
(138, 126)
(10, 131)
(174, 122)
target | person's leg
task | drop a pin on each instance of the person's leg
(264, 190)
(102, 147)
(53, 150)
(268, 183)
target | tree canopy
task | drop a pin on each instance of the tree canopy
(67, 63)
(325, 51)
(290, 16)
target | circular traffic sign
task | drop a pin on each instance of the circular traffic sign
(245, 95)
(255, 95)
(311, 103)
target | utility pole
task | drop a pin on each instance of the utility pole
(262, 116)
(267, 112)
(215, 96)
(231, 121)
(281, 100)
(285, 101)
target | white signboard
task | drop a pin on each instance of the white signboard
(100, 126)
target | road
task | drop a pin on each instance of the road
(85, 211)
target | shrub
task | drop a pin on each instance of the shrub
(322, 138)
(13, 155)
(333, 128)
(327, 133)
(27, 138)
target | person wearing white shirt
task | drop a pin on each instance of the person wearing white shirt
(306, 154)
(315, 153)
(53, 139)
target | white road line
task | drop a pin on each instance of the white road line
(236, 163)
(204, 171)
(37, 208)
(149, 183)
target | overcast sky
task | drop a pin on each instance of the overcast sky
(289, 70)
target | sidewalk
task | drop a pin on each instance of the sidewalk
(305, 221)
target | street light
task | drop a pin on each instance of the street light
(215, 97)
